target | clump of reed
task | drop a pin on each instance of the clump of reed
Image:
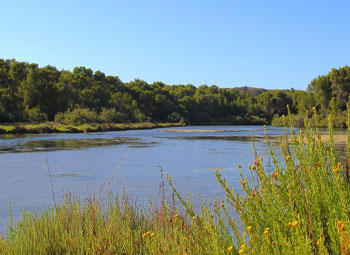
(295, 202)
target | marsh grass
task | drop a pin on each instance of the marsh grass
(53, 127)
(299, 203)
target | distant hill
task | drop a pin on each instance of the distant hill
(251, 90)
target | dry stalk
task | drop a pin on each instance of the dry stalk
(48, 170)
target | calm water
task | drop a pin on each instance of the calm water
(81, 163)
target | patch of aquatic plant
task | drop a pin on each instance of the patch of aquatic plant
(73, 144)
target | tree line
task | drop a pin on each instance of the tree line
(29, 93)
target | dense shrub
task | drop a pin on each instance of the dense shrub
(77, 116)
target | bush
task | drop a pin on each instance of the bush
(77, 116)
(34, 115)
(112, 116)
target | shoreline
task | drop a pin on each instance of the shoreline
(53, 127)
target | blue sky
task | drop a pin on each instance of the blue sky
(269, 44)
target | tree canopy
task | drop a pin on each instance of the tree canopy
(29, 93)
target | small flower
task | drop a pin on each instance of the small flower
(339, 164)
(243, 246)
(176, 216)
(274, 175)
(266, 231)
(288, 158)
(253, 167)
(340, 225)
(249, 229)
(185, 239)
(241, 251)
(230, 248)
(294, 223)
(146, 234)
(152, 234)
(335, 169)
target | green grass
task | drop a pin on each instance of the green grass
(297, 203)
(52, 127)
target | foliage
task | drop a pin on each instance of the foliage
(52, 127)
(31, 94)
(298, 202)
(77, 116)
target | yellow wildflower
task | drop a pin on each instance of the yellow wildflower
(185, 239)
(266, 231)
(152, 235)
(249, 229)
(243, 246)
(294, 223)
(146, 234)
(339, 164)
(230, 248)
(335, 169)
(340, 225)
(241, 251)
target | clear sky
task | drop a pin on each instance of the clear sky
(261, 43)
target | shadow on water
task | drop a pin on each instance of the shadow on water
(73, 144)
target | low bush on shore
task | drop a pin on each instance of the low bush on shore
(295, 202)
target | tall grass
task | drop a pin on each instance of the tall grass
(295, 202)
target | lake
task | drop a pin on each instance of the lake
(83, 163)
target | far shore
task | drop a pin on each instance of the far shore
(53, 127)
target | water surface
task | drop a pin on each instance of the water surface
(82, 163)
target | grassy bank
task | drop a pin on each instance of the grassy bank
(52, 127)
(297, 201)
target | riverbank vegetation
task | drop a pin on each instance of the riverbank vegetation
(54, 127)
(32, 94)
(297, 201)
